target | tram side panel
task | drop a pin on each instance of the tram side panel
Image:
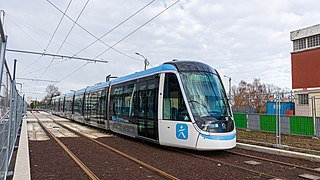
(133, 108)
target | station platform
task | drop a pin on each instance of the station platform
(22, 164)
(31, 131)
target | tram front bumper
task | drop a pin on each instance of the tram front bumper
(216, 142)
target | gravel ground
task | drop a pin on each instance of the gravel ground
(274, 169)
(177, 164)
(172, 162)
(49, 161)
(108, 165)
(104, 163)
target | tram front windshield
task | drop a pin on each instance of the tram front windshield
(207, 100)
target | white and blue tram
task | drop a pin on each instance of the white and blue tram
(179, 103)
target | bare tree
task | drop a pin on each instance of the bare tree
(52, 91)
(252, 97)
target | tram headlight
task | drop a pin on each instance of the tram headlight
(217, 126)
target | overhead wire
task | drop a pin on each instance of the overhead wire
(118, 25)
(131, 57)
(112, 47)
(55, 31)
(74, 71)
(136, 29)
(38, 31)
(16, 20)
(99, 39)
(38, 43)
(65, 37)
(36, 70)
(30, 65)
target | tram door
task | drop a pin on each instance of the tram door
(176, 128)
(147, 108)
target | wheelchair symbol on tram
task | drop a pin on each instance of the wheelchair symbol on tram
(182, 131)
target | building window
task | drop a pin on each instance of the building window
(303, 98)
(299, 44)
(314, 41)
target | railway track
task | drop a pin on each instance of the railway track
(161, 173)
(90, 174)
(254, 170)
(260, 174)
(273, 161)
(85, 168)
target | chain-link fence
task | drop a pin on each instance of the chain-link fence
(12, 108)
(290, 120)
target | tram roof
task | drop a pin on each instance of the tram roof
(163, 67)
(98, 86)
(167, 66)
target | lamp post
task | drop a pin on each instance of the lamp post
(229, 85)
(146, 62)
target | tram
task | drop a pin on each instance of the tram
(179, 103)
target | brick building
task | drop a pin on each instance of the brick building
(305, 69)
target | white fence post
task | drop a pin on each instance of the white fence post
(314, 115)
(278, 121)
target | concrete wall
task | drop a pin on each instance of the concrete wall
(305, 32)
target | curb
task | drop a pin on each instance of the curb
(22, 164)
(279, 152)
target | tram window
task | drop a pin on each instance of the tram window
(61, 104)
(142, 99)
(87, 106)
(151, 95)
(68, 104)
(78, 104)
(116, 101)
(174, 107)
(128, 99)
(93, 104)
(101, 103)
(134, 105)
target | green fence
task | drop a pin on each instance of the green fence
(240, 120)
(268, 123)
(299, 125)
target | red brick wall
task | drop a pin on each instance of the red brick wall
(305, 69)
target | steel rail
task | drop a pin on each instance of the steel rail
(67, 150)
(226, 163)
(154, 169)
(273, 161)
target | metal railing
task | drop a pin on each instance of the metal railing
(12, 109)
(287, 120)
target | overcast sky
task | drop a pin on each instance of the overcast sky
(241, 39)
